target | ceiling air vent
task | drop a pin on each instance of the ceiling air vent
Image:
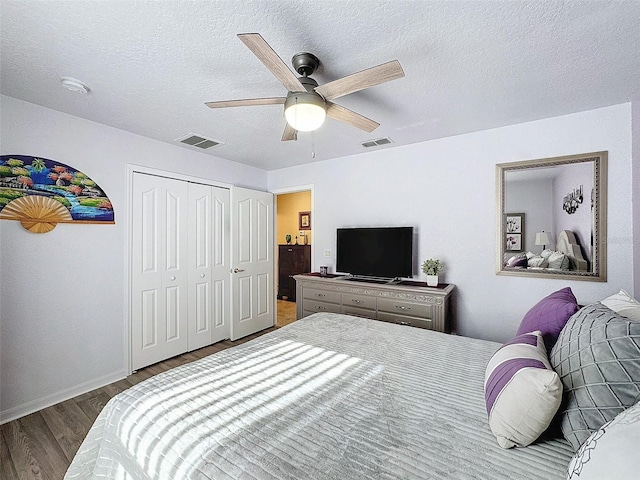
(377, 143)
(198, 141)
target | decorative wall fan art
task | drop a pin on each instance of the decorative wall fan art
(41, 193)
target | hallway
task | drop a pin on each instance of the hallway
(286, 313)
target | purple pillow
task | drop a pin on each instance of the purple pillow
(519, 260)
(550, 315)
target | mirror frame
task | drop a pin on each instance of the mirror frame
(598, 272)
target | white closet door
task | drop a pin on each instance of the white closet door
(159, 269)
(221, 264)
(208, 265)
(253, 294)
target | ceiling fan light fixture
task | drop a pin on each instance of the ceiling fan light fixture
(305, 111)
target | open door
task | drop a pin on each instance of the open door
(252, 262)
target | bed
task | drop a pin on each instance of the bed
(566, 257)
(328, 397)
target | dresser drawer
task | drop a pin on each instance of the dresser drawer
(358, 312)
(404, 320)
(314, 306)
(321, 295)
(360, 301)
(401, 307)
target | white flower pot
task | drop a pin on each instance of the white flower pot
(432, 280)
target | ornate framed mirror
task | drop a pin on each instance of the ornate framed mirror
(552, 217)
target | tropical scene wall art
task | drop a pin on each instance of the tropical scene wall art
(40, 193)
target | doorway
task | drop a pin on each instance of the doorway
(294, 246)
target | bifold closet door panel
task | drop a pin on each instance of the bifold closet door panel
(159, 269)
(208, 236)
(221, 264)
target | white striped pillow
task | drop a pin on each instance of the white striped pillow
(522, 391)
(623, 304)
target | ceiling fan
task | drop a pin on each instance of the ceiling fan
(307, 103)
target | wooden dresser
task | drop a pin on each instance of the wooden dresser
(407, 302)
(292, 260)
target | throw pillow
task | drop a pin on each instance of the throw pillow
(519, 260)
(546, 253)
(538, 262)
(623, 304)
(611, 451)
(549, 315)
(558, 260)
(522, 392)
(598, 359)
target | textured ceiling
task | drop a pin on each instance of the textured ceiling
(469, 66)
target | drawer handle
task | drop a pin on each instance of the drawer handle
(320, 295)
(357, 301)
(321, 308)
(399, 322)
(402, 307)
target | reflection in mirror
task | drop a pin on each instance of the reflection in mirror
(552, 217)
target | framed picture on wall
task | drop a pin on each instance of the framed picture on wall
(514, 242)
(514, 232)
(304, 220)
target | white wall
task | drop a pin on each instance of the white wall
(62, 294)
(446, 188)
(579, 222)
(534, 198)
(635, 125)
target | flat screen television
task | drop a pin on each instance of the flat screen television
(376, 252)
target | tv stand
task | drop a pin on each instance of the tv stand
(378, 280)
(406, 302)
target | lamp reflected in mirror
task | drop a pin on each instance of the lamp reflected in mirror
(542, 238)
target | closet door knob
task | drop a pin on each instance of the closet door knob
(202, 275)
(237, 270)
(172, 278)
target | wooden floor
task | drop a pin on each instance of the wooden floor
(286, 313)
(42, 445)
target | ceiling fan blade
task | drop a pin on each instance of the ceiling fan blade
(247, 102)
(361, 80)
(272, 61)
(289, 133)
(338, 112)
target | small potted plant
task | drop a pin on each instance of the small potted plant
(432, 268)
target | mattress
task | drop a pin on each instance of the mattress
(327, 397)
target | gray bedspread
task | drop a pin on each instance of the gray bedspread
(327, 397)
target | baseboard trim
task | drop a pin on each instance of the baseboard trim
(28, 408)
